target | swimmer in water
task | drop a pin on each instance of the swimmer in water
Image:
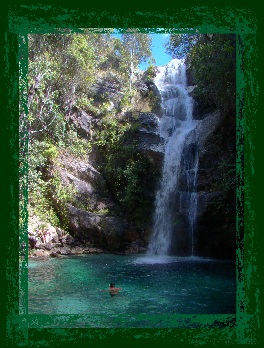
(113, 290)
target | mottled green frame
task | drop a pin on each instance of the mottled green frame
(58, 330)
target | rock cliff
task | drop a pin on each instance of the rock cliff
(94, 215)
(215, 223)
(96, 220)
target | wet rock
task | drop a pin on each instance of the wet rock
(131, 235)
(65, 251)
(93, 251)
(32, 241)
(77, 250)
(136, 247)
(98, 229)
(39, 253)
(54, 254)
(47, 246)
(68, 239)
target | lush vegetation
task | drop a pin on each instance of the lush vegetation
(212, 61)
(96, 73)
(129, 173)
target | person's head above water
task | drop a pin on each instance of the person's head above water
(111, 285)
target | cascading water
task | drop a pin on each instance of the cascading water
(178, 130)
(190, 196)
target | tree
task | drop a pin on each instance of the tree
(212, 60)
(136, 49)
(180, 44)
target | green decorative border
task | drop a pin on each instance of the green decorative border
(43, 330)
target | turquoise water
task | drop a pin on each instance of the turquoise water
(150, 287)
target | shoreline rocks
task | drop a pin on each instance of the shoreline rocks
(56, 252)
(64, 250)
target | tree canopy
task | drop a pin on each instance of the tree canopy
(68, 73)
(212, 60)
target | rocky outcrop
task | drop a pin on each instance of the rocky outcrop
(97, 229)
(91, 193)
(215, 225)
(47, 241)
(94, 216)
(95, 220)
(148, 137)
(216, 184)
(82, 123)
(108, 88)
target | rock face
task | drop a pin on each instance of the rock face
(83, 123)
(97, 229)
(95, 221)
(149, 140)
(91, 193)
(94, 216)
(215, 217)
(216, 184)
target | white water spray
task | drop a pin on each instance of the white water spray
(176, 126)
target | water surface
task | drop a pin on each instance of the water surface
(151, 286)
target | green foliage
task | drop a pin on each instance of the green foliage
(63, 71)
(50, 153)
(59, 195)
(137, 45)
(212, 59)
(41, 156)
(150, 73)
(91, 207)
(179, 45)
(215, 71)
(136, 49)
(45, 188)
(129, 174)
(75, 145)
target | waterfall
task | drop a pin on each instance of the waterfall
(190, 196)
(178, 130)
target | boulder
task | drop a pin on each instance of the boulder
(65, 250)
(77, 250)
(82, 122)
(136, 247)
(61, 233)
(98, 229)
(48, 246)
(39, 253)
(68, 239)
(93, 251)
(54, 254)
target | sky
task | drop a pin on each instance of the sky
(158, 50)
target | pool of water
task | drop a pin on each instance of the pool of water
(150, 286)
